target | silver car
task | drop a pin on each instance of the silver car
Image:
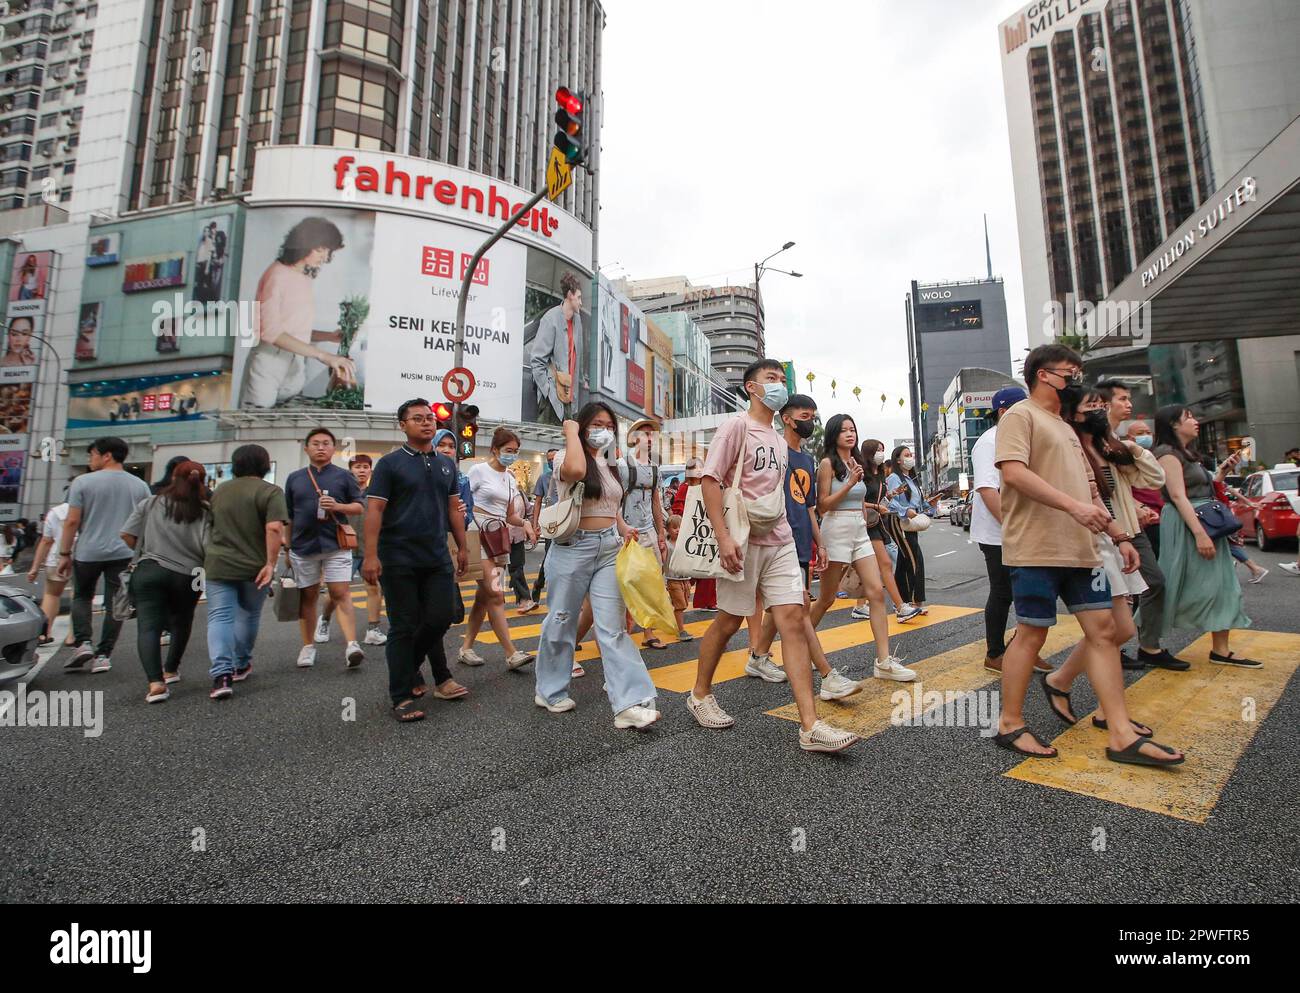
(21, 624)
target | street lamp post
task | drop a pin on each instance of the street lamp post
(759, 269)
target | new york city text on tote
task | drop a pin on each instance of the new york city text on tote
(398, 182)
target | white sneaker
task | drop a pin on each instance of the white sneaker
(376, 637)
(322, 630)
(563, 707)
(1291, 567)
(354, 655)
(708, 713)
(824, 738)
(467, 656)
(862, 613)
(519, 659)
(762, 667)
(635, 717)
(892, 668)
(906, 612)
(307, 657)
(101, 664)
(837, 686)
(1258, 577)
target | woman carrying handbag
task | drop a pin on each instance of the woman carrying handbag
(1201, 587)
(169, 533)
(495, 510)
(914, 515)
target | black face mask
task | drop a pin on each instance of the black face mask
(803, 429)
(1070, 394)
(1097, 423)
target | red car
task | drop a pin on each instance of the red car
(1271, 511)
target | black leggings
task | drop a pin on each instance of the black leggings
(998, 606)
(164, 601)
(518, 579)
(910, 571)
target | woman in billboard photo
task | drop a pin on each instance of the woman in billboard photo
(29, 280)
(277, 368)
(18, 349)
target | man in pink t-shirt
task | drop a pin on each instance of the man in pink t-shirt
(766, 565)
(277, 367)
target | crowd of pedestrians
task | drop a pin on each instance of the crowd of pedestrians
(1065, 511)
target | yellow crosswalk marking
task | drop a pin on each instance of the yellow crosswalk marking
(960, 670)
(1211, 712)
(680, 678)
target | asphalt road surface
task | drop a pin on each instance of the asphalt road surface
(303, 788)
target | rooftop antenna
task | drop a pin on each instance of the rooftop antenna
(988, 252)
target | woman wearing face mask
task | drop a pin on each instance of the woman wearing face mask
(885, 530)
(444, 442)
(842, 494)
(495, 496)
(582, 567)
(1149, 500)
(1115, 466)
(1201, 587)
(908, 502)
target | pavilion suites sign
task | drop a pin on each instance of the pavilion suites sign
(1218, 214)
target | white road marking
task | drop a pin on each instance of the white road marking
(942, 554)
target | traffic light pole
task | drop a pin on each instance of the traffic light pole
(468, 279)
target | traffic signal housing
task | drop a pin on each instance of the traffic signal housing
(571, 139)
(442, 414)
(467, 431)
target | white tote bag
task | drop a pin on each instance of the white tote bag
(696, 552)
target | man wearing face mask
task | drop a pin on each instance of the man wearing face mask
(1132, 483)
(747, 453)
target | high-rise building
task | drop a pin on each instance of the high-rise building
(1124, 117)
(186, 91)
(1127, 120)
(731, 317)
(951, 326)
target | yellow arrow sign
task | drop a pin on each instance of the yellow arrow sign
(559, 175)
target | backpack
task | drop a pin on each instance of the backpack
(632, 476)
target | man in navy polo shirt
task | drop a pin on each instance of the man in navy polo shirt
(320, 496)
(411, 503)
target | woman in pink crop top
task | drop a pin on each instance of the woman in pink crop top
(582, 568)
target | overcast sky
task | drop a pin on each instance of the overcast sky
(873, 135)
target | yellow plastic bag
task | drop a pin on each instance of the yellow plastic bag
(641, 582)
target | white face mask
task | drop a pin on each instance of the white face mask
(600, 438)
(908, 462)
(879, 457)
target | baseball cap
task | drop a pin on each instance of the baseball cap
(1008, 397)
(646, 423)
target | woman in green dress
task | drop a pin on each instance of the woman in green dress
(1201, 588)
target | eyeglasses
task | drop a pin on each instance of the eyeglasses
(1072, 378)
(418, 419)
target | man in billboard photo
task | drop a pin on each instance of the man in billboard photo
(556, 357)
(277, 368)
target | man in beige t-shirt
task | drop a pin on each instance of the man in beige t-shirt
(1049, 517)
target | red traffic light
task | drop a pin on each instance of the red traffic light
(568, 100)
(442, 412)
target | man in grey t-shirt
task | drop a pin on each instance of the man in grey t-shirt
(99, 503)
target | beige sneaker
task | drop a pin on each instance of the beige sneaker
(824, 738)
(708, 713)
(837, 686)
(519, 659)
(635, 717)
(467, 656)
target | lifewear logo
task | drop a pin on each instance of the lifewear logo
(94, 947)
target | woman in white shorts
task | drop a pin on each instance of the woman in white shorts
(494, 491)
(1105, 454)
(842, 493)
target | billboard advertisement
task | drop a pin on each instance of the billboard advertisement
(165, 398)
(372, 327)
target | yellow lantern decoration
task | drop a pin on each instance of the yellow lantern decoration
(882, 401)
(857, 393)
(901, 401)
(833, 388)
(925, 408)
(810, 377)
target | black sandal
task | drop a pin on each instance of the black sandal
(1051, 691)
(1142, 730)
(1133, 755)
(406, 712)
(1008, 741)
(654, 643)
